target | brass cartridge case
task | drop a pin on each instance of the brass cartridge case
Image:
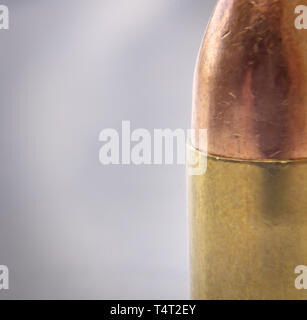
(248, 229)
(248, 207)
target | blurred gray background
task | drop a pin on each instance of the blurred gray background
(71, 228)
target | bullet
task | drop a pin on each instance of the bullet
(248, 210)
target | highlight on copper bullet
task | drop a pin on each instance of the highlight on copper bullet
(248, 211)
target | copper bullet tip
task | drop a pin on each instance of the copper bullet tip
(251, 82)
